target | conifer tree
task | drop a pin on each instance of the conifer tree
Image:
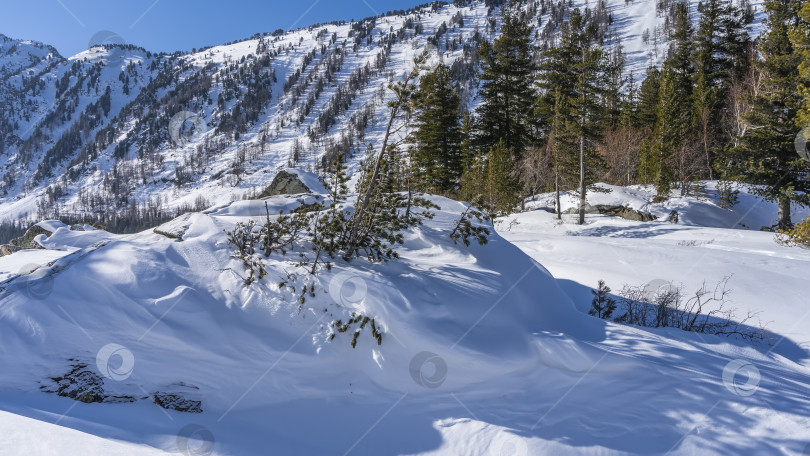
(473, 179)
(628, 114)
(674, 109)
(720, 45)
(437, 158)
(800, 38)
(602, 305)
(766, 155)
(488, 183)
(369, 197)
(467, 139)
(614, 84)
(506, 89)
(562, 146)
(500, 186)
(576, 70)
(648, 98)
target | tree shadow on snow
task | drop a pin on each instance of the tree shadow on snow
(636, 231)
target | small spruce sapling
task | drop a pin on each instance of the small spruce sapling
(602, 305)
(464, 229)
(727, 194)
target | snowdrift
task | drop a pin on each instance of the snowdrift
(482, 350)
(154, 315)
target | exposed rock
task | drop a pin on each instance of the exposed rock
(8, 249)
(285, 183)
(174, 401)
(673, 217)
(614, 211)
(85, 385)
(80, 384)
(26, 241)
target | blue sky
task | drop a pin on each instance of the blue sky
(170, 25)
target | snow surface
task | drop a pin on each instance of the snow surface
(484, 351)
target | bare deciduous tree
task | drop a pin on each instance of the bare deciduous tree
(621, 149)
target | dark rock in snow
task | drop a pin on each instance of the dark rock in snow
(85, 385)
(174, 401)
(614, 211)
(80, 384)
(285, 183)
(673, 217)
(26, 241)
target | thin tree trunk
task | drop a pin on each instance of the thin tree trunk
(582, 148)
(361, 208)
(706, 144)
(362, 204)
(784, 214)
(582, 179)
(557, 190)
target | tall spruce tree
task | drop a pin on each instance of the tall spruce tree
(562, 145)
(437, 158)
(721, 44)
(800, 38)
(500, 186)
(648, 98)
(710, 71)
(615, 82)
(674, 110)
(506, 90)
(576, 69)
(766, 155)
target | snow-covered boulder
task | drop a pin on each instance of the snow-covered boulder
(613, 210)
(32, 237)
(176, 228)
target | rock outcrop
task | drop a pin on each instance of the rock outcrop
(614, 211)
(26, 241)
(286, 183)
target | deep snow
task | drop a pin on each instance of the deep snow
(483, 352)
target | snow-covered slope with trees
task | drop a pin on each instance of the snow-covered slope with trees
(120, 129)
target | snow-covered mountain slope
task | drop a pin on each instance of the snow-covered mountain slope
(210, 126)
(483, 351)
